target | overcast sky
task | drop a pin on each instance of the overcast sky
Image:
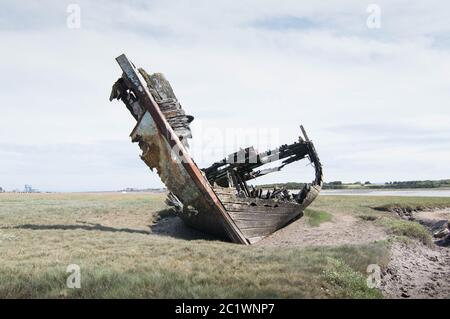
(374, 100)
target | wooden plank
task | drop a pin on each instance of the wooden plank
(257, 217)
(273, 224)
(260, 209)
(263, 216)
(257, 232)
(230, 199)
(266, 221)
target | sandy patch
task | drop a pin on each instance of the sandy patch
(342, 230)
(438, 214)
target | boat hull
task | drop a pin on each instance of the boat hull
(220, 211)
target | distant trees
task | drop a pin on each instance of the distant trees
(333, 185)
(418, 184)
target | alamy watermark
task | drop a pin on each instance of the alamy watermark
(213, 144)
(374, 19)
(374, 278)
(74, 279)
(73, 20)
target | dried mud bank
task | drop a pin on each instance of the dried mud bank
(436, 220)
(417, 270)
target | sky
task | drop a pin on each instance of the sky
(371, 86)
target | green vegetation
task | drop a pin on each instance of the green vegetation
(315, 218)
(109, 236)
(418, 184)
(406, 228)
(175, 269)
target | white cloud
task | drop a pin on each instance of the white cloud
(229, 63)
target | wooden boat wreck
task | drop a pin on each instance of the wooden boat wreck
(216, 199)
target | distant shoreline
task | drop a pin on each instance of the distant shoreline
(427, 184)
(405, 192)
(147, 191)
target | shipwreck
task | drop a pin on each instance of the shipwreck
(216, 199)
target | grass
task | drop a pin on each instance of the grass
(176, 269)
(109, 236)
(406, 228)
(314, 217)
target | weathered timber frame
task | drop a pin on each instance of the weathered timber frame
(216, 199)
(139, 87)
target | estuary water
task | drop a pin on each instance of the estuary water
(426, 192)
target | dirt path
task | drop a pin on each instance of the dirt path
(342, 230)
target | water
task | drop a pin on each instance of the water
(439, 192)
